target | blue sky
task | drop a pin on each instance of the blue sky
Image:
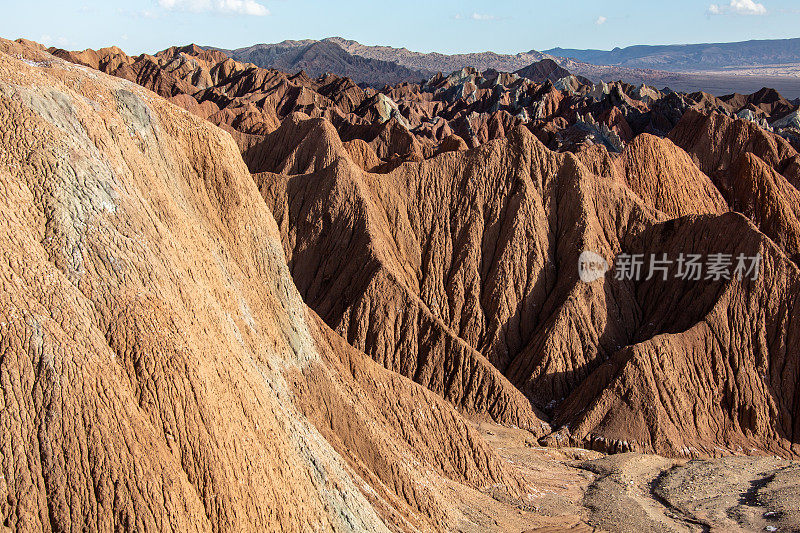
(448, 26)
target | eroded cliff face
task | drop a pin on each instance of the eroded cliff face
(757, 171)
(456, 267)
(159, 369)
(460, 272)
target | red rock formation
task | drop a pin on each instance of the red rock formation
(160, 371)
(716, 142)
(566, 113)
(757, 171)
(484, 245)
(442, 239)
(767, 101)
(714, 364)
(664, 176)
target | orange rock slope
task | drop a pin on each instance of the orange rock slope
(159, 369)
(457, 270)
(460, 272)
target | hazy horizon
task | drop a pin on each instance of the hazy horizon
(506, 27)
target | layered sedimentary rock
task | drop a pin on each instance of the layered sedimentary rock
(486, 243)
(716, 142)
(757, 171)
(712, 365)
(456, 267)
(159, 369)
(435, 231)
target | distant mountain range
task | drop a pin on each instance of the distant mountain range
(691, 57)
(441, 62)
(384, 65)
(320, 57)
(716, 68)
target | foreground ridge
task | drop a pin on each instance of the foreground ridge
(160, 371)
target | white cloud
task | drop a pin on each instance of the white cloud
(482, 17)
(600, 20)
(748, 7)
(232, 7)
(738, 7)
(60, 42)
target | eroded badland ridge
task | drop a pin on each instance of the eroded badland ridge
(305, 305)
